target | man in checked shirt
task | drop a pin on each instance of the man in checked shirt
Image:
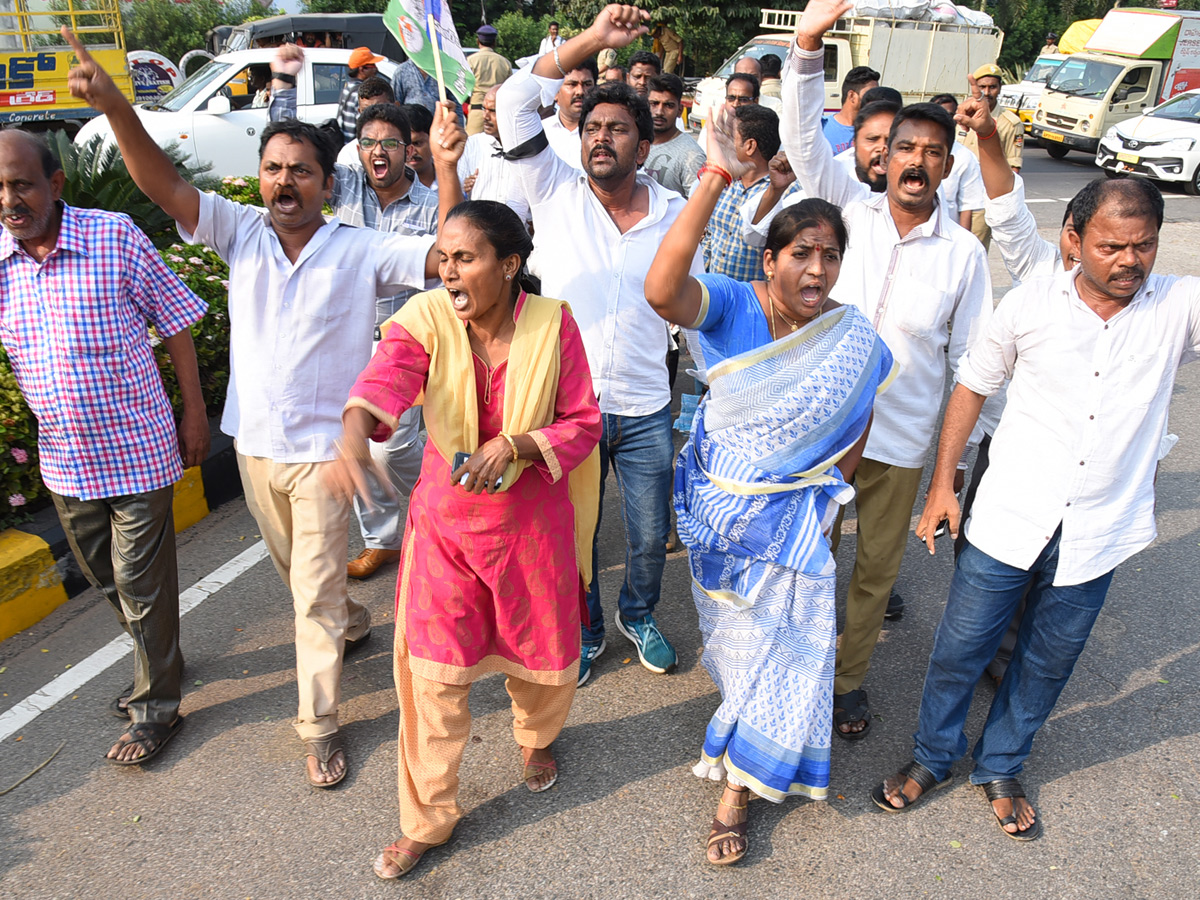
(78, 288)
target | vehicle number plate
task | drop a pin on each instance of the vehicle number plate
(1131, 158)
(1052, 136)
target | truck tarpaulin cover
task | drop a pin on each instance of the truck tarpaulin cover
(1077, 35)
(1142, 34)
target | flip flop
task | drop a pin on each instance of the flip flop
(402, 858)
(533, 769)
(1010, 789)
(322, 750)
(152, 736)
(925, 780)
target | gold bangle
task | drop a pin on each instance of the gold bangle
(511, 443)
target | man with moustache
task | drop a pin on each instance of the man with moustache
(78, 290)
(378, 191)
(674, 157)
(626, 216)
(562, 126)
(483, 170)
(1068, 495)
(302, 302)
(914, 273)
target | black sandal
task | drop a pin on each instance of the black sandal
(923, 778)
(119, 705)
(151, 736)
(1010, 789)
(849, 708)
(721, 831)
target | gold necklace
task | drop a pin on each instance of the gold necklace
(794, 325)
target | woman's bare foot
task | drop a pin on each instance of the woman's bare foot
(727, 841)
(541, 771)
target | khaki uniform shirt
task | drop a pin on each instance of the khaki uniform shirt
(490, 69)
(1012, 137)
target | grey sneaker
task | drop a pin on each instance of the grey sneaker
(588, 654)
(654, 650)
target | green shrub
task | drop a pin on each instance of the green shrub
(20, 479)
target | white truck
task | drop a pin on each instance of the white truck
(920, 59)
(1136, 59)
(1022, 98)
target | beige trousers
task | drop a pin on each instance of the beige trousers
(884, 498)
(435, 724)
(305, 529)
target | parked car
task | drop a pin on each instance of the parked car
(1163, 143)
(211, 116)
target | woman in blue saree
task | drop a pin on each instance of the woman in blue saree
(793, 376)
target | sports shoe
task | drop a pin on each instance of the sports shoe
(588, 654)
(895, 608)
(655, 652)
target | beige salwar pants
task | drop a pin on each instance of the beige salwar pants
(884, 497)
(305, 529)
(435, 724)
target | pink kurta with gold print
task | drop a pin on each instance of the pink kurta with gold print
(493, 583)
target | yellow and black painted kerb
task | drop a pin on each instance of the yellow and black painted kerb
(32, 582)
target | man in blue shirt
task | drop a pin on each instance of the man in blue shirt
(839, 128)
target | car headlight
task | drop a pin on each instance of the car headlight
(1178, 144)
(1111, 134)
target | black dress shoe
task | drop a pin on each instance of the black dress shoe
(353, 647)
(895, 608)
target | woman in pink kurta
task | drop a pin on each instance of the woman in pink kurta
(489, 580)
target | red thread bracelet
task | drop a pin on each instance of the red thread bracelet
(985, 137)
(716, 170)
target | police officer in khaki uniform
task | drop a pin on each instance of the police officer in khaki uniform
(1008, 126)
(490, 69)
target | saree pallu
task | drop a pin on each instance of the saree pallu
(756, 490)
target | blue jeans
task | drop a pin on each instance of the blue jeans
(641, 453)
(983, 596)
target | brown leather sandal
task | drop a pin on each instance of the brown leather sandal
(322, 750)
(401, 857)
(723, 830)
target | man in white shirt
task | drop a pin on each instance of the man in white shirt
(913, 272)
(1092, 355)
(483, 170)
(562, 126)
(302, 302)
(551, 40)
(624, 217)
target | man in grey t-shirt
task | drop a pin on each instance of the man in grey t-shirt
(674, 156)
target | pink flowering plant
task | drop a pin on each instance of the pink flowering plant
(20, 482)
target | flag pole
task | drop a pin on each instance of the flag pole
(437, 57)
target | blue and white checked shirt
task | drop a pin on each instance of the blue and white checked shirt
(725, 250)
(355, 203)
(76, 330)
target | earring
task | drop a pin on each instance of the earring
(508, 278)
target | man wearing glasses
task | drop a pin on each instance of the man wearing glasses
(378, 190)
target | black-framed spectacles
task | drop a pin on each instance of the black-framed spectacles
(391, 145)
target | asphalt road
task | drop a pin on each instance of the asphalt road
(225, 812)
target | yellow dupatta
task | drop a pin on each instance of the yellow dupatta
(451, 407)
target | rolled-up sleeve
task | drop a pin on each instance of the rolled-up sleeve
(986, 367)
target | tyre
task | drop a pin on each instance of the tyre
(1056, 151)
(1192, 185)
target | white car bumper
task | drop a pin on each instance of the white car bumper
(1135, 157)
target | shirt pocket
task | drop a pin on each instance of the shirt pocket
(920, 309)
(1140, 375)
(327, 295)
(96, 325)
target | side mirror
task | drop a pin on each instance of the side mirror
(1122, 95)
(218, 105)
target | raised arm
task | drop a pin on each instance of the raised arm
(670, 290)
(151, 169)
(803, 94)
(616, 26)
(974, 113)
(286, 65)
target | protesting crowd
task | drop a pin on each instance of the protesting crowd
(491, 322)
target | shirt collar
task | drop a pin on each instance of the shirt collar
(70, 236)
(1064, 281)
(935, 225)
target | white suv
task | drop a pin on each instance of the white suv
(211, 117)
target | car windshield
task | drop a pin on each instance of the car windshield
(758, 49)
(1085, 77)
(1041, 70)
(1184, 108)
(197, 82)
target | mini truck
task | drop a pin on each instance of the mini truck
(34, 60)
(919, 59)
(1136, 59)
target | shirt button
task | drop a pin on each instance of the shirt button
(1081, 462)
(1091, 417)
(1068, 503)
(1097, 374)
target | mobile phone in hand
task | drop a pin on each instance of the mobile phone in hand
(460, 459)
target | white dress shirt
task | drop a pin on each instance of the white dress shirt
(549, 43)
(300, 333)
(567, 144)
(589, 263)
(1026, 253)
(1079, 441)
(961, 189)
(496, 179)
(911, 288)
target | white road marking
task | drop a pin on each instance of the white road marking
(1040, 200)
(69, 682)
